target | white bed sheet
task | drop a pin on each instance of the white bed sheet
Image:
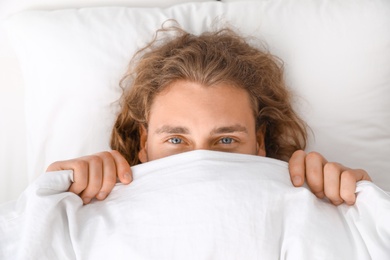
(195, 205)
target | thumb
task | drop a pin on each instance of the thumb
(123, 169)
(297, 168)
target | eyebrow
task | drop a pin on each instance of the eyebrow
(167, 129)
(229, 129)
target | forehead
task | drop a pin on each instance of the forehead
(194, 93)
(189, 101)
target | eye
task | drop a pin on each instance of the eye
(175, 140)
(226, 140)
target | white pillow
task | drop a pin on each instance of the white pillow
(9, 6)
(336, 57)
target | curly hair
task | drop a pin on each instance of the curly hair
(210, 58)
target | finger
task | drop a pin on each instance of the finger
(122, 168)
(348, 181)
(65, 165)
(95, 169)
(80, 174)
(314, 173)
(109, 175)
(296, 167)
(56, 166)
(332, 176)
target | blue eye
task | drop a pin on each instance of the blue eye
(175, 140)
(226, 140)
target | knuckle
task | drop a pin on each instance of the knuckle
(80, 165)
(347, 175)
(313, 156)
(118, 157)
(364, 172)
(365, 175)
(299, 153)
(114, 153)
(332, 167)
(104, 155)
(95, 159)
(58, 165)
(52, 166)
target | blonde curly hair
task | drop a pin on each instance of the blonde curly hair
(211, 58)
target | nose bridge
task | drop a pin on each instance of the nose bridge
(199, 137)
(202, 143)
(202, 147)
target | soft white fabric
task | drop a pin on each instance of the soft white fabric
(196, 205)
(336, 57)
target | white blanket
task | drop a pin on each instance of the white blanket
(196, 205)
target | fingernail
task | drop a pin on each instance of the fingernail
(297, 180)
(127, 177)
(86, 200)
(101, 195)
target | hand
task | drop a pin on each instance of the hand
(325, 179)
(95, 175)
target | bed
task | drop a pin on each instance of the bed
(61, 64)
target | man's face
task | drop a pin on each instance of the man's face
(187, 116)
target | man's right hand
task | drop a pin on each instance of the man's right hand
(95, 175)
